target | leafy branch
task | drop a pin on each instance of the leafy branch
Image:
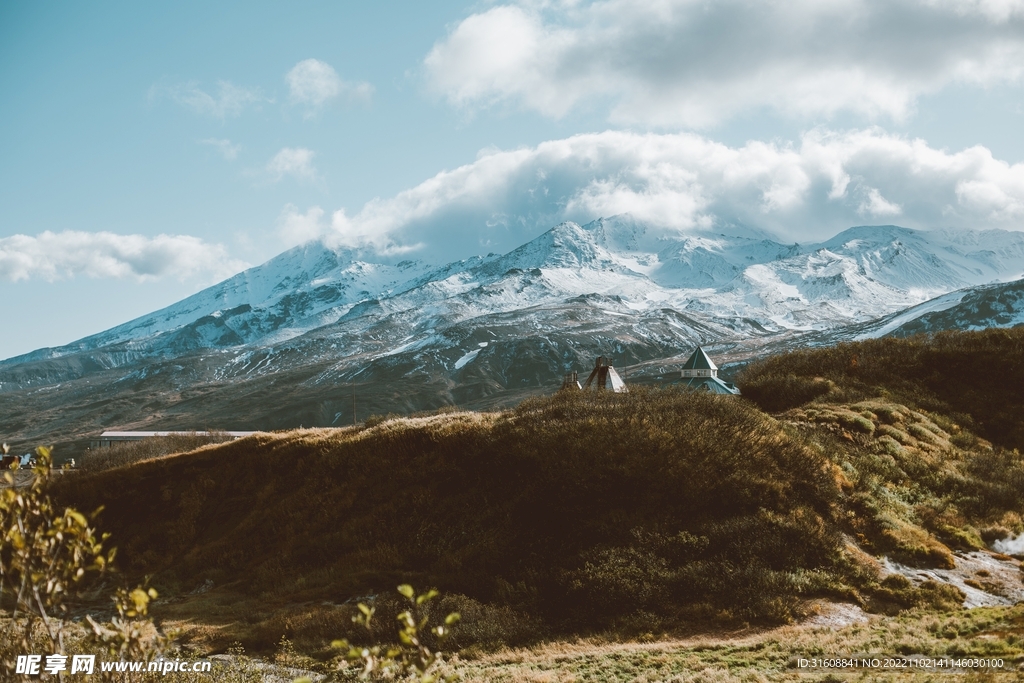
(411, 656)
(45, 555)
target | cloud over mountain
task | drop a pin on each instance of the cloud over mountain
(803, 191)
(691, 63)
(56, 256)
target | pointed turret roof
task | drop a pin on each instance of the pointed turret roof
(699, 361)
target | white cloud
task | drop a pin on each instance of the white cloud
(295, 227)
(313, 83)
(56, 256)
(294, 161)
(995, 10)
(874, 204)
(806, 191)
(227, 150)
(692, 63)
(229, 101)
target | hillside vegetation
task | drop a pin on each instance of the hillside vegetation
(574, 510)
(974, 378)
(645, 512)
(127, 452)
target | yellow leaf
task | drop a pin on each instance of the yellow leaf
(77, 516)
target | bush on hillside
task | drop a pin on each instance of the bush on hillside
(915, 490)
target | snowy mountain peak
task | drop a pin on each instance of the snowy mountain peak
(867, 236)
(566, 245)
(620, 233)
(743, 282)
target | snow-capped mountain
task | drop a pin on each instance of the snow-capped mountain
(858, 275)
(297, 291)
(484, 330)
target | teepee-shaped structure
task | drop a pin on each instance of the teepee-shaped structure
(603, 377)
(571, 382)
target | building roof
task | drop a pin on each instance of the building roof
(146, 435)
(713, 385)
(699, 361)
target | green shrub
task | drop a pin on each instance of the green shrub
(414, 655)
(46, 555)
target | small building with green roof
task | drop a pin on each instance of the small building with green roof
(701, 374)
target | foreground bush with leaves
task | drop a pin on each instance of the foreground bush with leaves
(47, 556)
(412, 656)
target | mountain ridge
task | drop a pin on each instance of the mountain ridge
(312, 285)
(489, 330)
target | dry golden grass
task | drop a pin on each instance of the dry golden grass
(576, 512)
(768, 654)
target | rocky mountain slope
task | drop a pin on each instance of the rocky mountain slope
(289, 342)
(971, 308)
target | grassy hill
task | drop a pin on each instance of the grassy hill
(974, 378)
(650, 511)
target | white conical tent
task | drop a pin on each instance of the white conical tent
(618, 386)
(603, 377)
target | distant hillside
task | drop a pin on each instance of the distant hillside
(567, 508)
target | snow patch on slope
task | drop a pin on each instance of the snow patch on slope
(466, 359)
(941, 303)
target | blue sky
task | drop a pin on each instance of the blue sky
(149, 150)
